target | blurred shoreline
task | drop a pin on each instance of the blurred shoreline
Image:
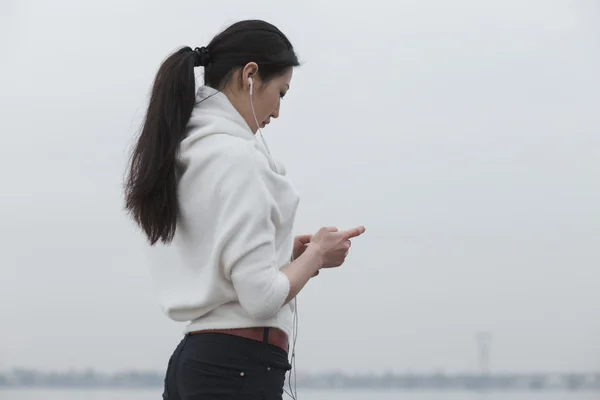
(90, 379)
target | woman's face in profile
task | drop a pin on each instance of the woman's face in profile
(267, 96)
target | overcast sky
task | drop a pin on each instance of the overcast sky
(464, 135)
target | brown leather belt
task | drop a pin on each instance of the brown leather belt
(272, 336)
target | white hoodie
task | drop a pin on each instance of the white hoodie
(235, 229)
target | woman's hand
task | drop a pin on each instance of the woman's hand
(300, 245)
(334, 245)
(324, 249)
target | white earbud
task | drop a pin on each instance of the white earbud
(250, 81)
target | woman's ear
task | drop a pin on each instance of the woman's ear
(250, 70)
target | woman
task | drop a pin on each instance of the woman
(200, 182)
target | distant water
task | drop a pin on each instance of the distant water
(60, 394)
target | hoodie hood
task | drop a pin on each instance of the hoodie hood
(214, 114)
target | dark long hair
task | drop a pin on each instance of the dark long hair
(151, 182)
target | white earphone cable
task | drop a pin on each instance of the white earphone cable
(293, 393)
(262, 138)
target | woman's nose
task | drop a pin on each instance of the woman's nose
(275, 112)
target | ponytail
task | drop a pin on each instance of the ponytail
(151, 184)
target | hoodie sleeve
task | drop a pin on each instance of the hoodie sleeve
(248, 256)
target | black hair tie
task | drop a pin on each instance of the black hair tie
(202, 58)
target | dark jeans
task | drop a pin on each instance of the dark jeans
(215, 366)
